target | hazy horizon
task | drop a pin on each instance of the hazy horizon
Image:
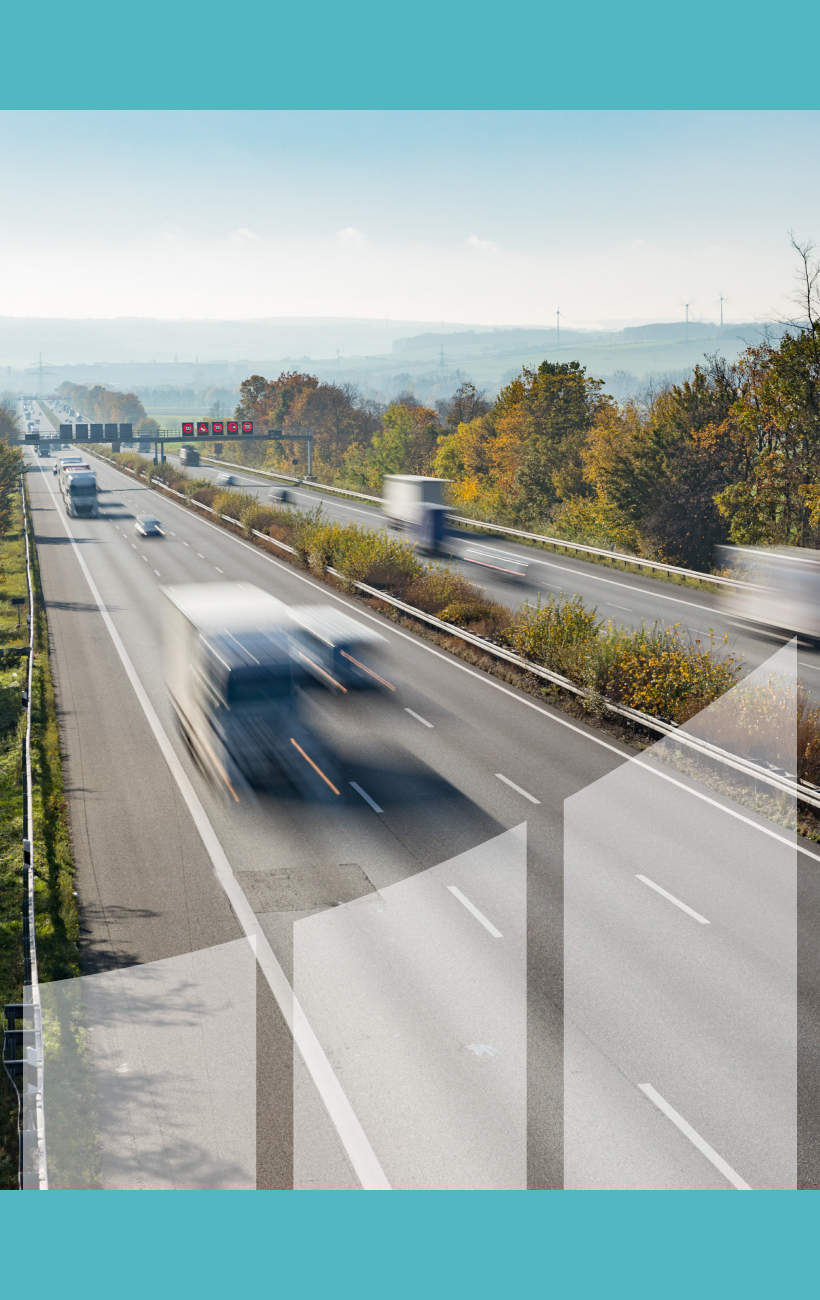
(487, 218)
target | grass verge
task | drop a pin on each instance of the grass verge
(56, 919)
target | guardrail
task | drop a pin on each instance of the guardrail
(560, 543)
(26, 1071)
(781, 781)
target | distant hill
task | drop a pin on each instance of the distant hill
(504, 342)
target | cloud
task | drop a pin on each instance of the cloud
(481, 245)
(350, 235)
(243, 234)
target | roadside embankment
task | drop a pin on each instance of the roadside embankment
(55, 909)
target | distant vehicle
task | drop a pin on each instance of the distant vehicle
(332, 647)
(280, 494)
(43, 450)
(781, 587)
(67, 460)
(413, 505)
(225, 480)
(189, 455)
(229, 674)
(78, 484)
(148, 526)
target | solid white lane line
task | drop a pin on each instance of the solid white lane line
(625, 586)
(804, 664)
(495, 685)
(366, 797)
(353, 1137)
(479, 916)
(695, 1138)
(419, 718)
(674, 900)
(513, 786)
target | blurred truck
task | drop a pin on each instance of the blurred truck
(189, 455)
(78, 484)
(778, 587)
(336, 649)
(413, 504)
(229, 670)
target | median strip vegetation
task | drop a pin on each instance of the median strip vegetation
(662, 672)
(659, 671)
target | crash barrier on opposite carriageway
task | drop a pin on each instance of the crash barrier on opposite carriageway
(782, 782)
(557, 543)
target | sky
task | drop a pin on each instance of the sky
(492, 218)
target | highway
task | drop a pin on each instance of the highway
(491, 987)
(622, 598)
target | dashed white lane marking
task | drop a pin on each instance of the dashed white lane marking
(366, 797)
(479, 916)
(201, 556)
(419, 718)
(695, 1138)
(216, 566)
(625, 608)
(157, 572)
(690, 911)
(355, 1141)
(494, 685)
(513, 786)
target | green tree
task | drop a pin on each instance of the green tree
(12, 463)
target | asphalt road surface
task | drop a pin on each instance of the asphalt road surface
(428, 915)
(622, 598)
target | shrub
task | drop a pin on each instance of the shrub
(552, 633)
(436, 587)
(659, 672)
(465, 612)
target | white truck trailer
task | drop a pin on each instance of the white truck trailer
(413, 505)
(78, 484)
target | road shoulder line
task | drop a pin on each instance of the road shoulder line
(351, 1134)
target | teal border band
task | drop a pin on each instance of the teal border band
(434, 54)
(578, 1244)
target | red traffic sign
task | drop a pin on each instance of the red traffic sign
(247, 426)
(233, 426)
(202, 428)
(188, 429)
(217, 426)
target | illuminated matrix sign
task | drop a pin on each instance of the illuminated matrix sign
(215, 428)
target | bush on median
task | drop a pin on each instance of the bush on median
(656, 670)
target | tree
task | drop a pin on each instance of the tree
(407, 441)
(771, 440)
(466, 404)
(11, 463)
(9, 423)
(102, 404)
